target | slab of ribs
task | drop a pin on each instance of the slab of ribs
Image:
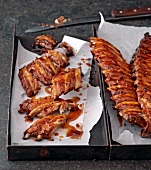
(129, 84)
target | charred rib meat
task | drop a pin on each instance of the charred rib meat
(119, 79)
(58, 58)
(42, 69)
(44, 106)
(45, 127)
(65, 81)
(30, 104)
(68, 48)
(28, 81)
(141, 62)
(45, 41)
(49, 64)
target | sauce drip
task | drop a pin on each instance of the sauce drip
(74, 114)
(72, 132)
(84, 59)
(120, 119)
(88, 64)
(61, 137)
(75, 99)
(56, 134)
(47, 90)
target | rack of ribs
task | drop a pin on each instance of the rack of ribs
(118, 76)
(141, 64)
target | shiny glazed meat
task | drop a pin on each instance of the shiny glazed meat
(41, 69)
(45, 127)
(45, 41)
(65, 81)
(28, 81)
(119, 78)
(141, 64)
(44, 106)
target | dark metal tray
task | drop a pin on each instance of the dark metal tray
(118, 151)
(98, 147)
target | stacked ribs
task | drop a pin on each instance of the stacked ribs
(119, 79)
(44, 68)
(141, 64)
(48, 69)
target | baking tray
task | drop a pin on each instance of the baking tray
(118, 151)
(98, 147)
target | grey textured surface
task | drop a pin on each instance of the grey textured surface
(25, 13)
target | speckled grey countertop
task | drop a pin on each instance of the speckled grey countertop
(24, 13)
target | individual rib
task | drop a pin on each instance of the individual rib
(44, 106)
(29, 82)
(65, 81)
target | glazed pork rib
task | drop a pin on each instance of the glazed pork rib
(57, 58)
(28, 81)
(41, 70)
(65, 81)
(45, 127)
(49, 64)
(67, 48)
(119, 79)
(141, 63)
(29, 104)
(44, 106)
(45, 41)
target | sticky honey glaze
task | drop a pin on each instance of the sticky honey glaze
(72, 132)
(28, 119)
(47, 90)
(75, 99)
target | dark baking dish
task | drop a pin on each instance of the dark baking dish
(98, 147)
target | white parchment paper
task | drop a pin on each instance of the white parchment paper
(126, 39)
(89, 97)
